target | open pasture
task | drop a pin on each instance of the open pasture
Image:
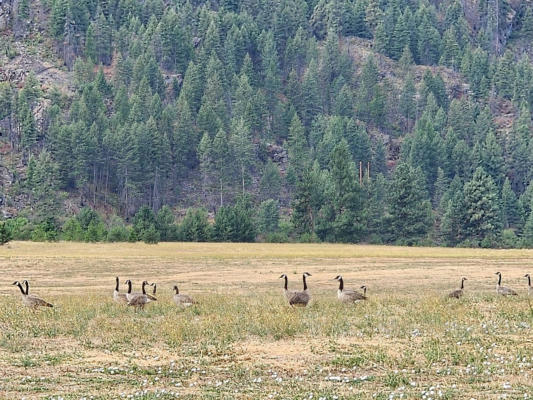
(242, 341)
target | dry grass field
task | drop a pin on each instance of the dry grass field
(243, 342)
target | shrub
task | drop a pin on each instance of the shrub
(46, 231)
(509, 239)
(195, 226)
(5, 234)
(96, 232)
(151, 235)
(277, 237)
(19, 228)
(72, 230)
(268, 216)
(118, 234)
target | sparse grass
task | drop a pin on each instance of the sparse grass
(242, 342)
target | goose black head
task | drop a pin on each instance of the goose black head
(363, 287)
(127, 282)
(526, 276)
(498, 273)
(282, 276)
(464, 279)
(16, 283)
(307, 274)
(337, 278)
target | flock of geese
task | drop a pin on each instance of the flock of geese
(295, 298)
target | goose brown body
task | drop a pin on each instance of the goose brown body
(458, 293)
(297, 298)
(182, 299)
(349, 295)
(502, 290)
(30, 300)
(139, 300)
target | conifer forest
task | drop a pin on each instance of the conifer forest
(359, 121)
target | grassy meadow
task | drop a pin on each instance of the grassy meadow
(243, 342)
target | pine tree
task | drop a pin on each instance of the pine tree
(406, 60)
(303, 214)
(410, 208)
(242, 149)
(374, 14)
(453, 219)
(512, 211)
(527, 23)
(370, 99)
(298, 157)
(206, 162)
(451, 51)
(270, 184)
(43, 185)
(270, 68)
(400, 38)
(527, 237)
(492, 159)
(407, 101)
(381, 40)
(268, 216)
(28, 129)
(483, 217)
(517, 150)
(58, 17)
(185, 138)
(193, 86)
(311, 96)
(504, 69)
(222, 162)
(348, 202)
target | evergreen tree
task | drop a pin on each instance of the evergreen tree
(527, 23)
(270, 184)
(5, 234)
(452, 224)
(268, 216)
(221, 162)
(492, 159)
(483, 217)
(348, 204)
(512, 212)
(410, 208)
(242, 149)
(407, 101)
(298, 158)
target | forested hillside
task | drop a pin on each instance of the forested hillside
(382, 121)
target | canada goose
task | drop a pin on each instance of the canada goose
(30, 300)
(117, 296)
(529, 287)
(139, 300)
(458, 292)
(504, 291)
(295, 298)
(182, 299)
(348, 295)
(131, 294)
